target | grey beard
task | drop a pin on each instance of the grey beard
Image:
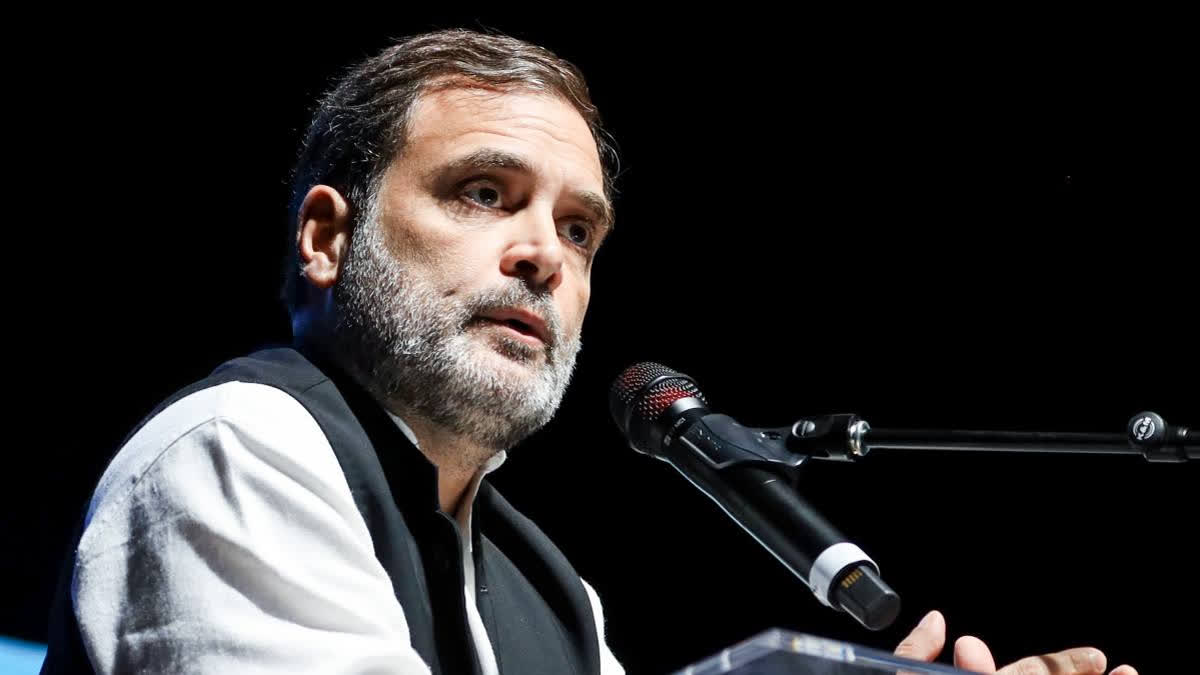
(411, 347)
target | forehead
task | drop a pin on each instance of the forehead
(545, 130)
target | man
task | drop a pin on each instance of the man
(324, 508)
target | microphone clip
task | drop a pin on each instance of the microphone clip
(721, 442)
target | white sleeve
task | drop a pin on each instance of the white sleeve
(223, 538)
(608, 661)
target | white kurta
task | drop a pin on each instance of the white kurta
(223, 538)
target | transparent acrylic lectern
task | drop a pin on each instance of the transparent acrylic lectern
(781, 652)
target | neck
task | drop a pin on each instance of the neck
(457, 460)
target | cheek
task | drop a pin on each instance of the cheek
(420, 231)
(461, 266)
(576, 306)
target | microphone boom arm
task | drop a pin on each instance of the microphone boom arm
(850, 438)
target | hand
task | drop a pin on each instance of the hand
(928, 638)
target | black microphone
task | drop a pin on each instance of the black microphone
(664, 415)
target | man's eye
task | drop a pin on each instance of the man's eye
(484, 195)
(579, 234)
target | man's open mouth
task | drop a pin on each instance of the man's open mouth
(525, 323)
(519, 326)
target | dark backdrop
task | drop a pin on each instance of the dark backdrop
(932, 221)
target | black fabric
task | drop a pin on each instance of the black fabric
(533, 604)
(559, 614)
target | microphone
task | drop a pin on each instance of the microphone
(663, 414)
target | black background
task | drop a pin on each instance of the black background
(930, 220)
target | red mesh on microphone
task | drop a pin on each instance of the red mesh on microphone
(660, 397)
(629, 391)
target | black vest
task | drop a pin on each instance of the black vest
(533, 604)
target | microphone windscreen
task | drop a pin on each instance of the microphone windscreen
(645, 390)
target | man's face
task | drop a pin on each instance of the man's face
(468, 279)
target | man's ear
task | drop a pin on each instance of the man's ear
(323, 238)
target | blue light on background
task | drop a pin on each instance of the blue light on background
(18, 657)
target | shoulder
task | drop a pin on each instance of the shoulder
(210, 448)
(250, 392)
(256, 408)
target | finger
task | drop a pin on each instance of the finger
(1079, 661)
(971, 654)
(1124, 670)
(925, 642)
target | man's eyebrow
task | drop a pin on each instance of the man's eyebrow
(601, 210)
(484, 159)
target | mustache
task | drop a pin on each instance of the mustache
(516, 294)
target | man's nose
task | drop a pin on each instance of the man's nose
(534, 251)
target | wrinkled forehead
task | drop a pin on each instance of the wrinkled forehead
(451, 119)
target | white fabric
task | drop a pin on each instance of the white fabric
(483, 646)
(224, 538)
